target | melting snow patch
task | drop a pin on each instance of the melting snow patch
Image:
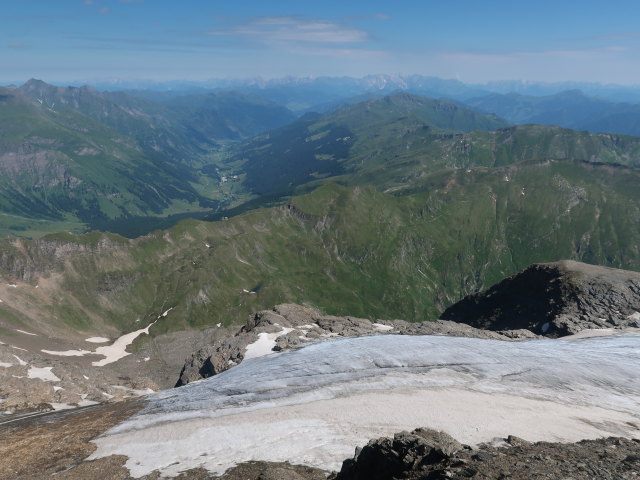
(43, 373)
(57, 388)
(264, 345)
(634, 316)
(96, 340)
(133, 391)
(61, 406)
(85, 377)
(382, 327)
(118, 349)
(26, 333)
(68, 353)
(12, 285)
(146, 359)
(20, 361)
(6, 365)
(165, 313)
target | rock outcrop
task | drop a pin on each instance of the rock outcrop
(555, 299)
(427, 454)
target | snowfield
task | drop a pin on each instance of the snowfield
(314, 405)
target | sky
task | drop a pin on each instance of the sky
(475, 41)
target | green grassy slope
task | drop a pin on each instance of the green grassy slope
(394, 142)
(346, 250)
(63, 167)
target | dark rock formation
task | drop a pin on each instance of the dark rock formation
(426, 454)
(387, 458)
(555, 299)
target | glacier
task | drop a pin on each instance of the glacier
(315, 405)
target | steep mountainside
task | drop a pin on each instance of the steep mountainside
(354, 140)
(345, 250)
(62, 170)
(77, 159)
(555, 299)
(395, 142)
(570, 109)
(181, 128)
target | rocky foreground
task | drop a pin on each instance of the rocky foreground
(56, 447)
(546, 300)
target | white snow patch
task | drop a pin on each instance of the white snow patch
(218, 325)
(264, 345)
(57, 388)
(12, 285)
(146, 359)
(21, 362)
(6, 365)
(96, 340)
(118, 349)
(61, 406)
(339, 394)
(107, 396)
(86, 403)
(68, 353)
(165, 313)
(85, 377)
(241, 260)
(27, 333)
(18, 348)
(42, 373)
(382, 327)
(634, 316)
(133, 391)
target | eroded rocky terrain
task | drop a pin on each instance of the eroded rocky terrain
(555, 299)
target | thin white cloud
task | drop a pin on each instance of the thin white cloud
(280, 30)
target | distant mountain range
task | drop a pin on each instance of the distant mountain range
(570, 109)
(301, 93)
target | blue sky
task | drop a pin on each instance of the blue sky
(473, 40)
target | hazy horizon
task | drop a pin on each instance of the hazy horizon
(88, 41)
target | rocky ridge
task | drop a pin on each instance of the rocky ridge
(291, 326)
(554, 300)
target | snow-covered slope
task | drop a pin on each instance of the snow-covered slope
(313, 405)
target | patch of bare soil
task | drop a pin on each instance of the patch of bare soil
(56, 444)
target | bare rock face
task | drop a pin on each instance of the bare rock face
(555, 299)
(387, 458)
(428, 454)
